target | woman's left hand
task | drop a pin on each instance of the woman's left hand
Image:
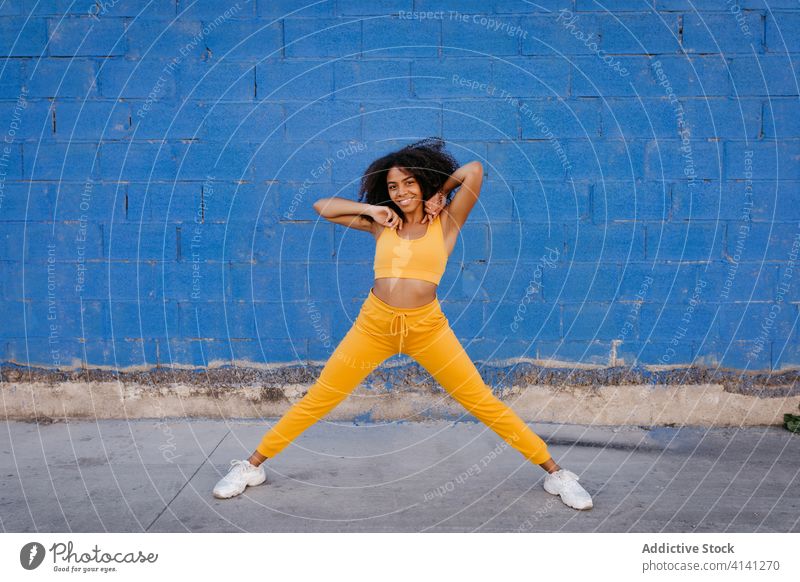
(433, 206)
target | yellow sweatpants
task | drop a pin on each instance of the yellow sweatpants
(423, 333)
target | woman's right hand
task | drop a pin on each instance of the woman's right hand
(385, 216)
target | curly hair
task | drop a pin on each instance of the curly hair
(426, 160)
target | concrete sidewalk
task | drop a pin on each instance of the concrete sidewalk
(152, 475)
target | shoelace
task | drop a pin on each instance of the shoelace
(239, 464)
(402, 330)
(562, 473)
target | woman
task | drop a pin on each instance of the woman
(405, 195)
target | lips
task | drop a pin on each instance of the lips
(405, 201)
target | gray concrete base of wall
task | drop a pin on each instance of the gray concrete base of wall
(605, 396)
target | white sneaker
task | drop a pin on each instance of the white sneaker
(565, 484)
(241, 475)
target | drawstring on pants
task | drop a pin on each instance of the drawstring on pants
(402, 330)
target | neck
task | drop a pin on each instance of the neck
(415, 217)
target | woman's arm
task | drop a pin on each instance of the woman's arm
(470, 178)
(335, 206)
(356, 214)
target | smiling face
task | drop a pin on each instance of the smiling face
(404, 190)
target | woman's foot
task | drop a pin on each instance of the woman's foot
(241, 474)
(565, 484)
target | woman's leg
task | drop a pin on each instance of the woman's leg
(358, 354)
(443, 356)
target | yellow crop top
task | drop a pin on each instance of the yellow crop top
(421, 258)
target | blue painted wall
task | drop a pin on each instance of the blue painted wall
(160, 161)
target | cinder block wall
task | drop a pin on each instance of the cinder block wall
(160, 161)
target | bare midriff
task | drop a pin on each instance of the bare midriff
(404, 292)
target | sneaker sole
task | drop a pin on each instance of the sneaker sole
(235, 493)
(590, 506)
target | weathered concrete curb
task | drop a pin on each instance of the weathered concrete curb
(607, 396)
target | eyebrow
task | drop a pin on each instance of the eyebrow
(406, 178)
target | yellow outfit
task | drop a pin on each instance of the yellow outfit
(423, 333)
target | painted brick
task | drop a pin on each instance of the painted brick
(605, 159)
(709, 200)
(287, 8)
(771, 242)
(781, 27)
(471, 7)
(531, 77)
(593, 320)
(526, 322)
(276, 243)
(612, 242)
(92, 120)
(349, 159)
(785, 355)
(215, 80)
(72, 37)
(164, 38)
(732, 280)
(22, 37)
(145, 319)
(171, 119)
(190, 175)
(578, 282)
(60, 161)
(566, 118)
(741, 321)
(323, 37)
(674, 160)
(625, 201)
(648, 282)
(614, 5)
(554, 202)
(479, 37)
(561, 32)
(129, 8)
(222, 161)
(322, 121)
(512, 241)
(780, 119)
(451, 77)
(771, 160)
(301, 80)
(352, 245)
(13, 78)
(62, 78)
(256, 122)
(643, 33)
(653, 353)
(568, 352)
(146, 79)
(473, 119)
(379, 7)
(142, 242)
(527, 161)
(680, 323)
(767, 75)
(293, 161)
(138, 161)
(12, 161)
(395, 37)
(245, 40)
(221, 320)
(722, 33)
(212, 9)
(410, 118)
(689, 241)
(387, 79)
